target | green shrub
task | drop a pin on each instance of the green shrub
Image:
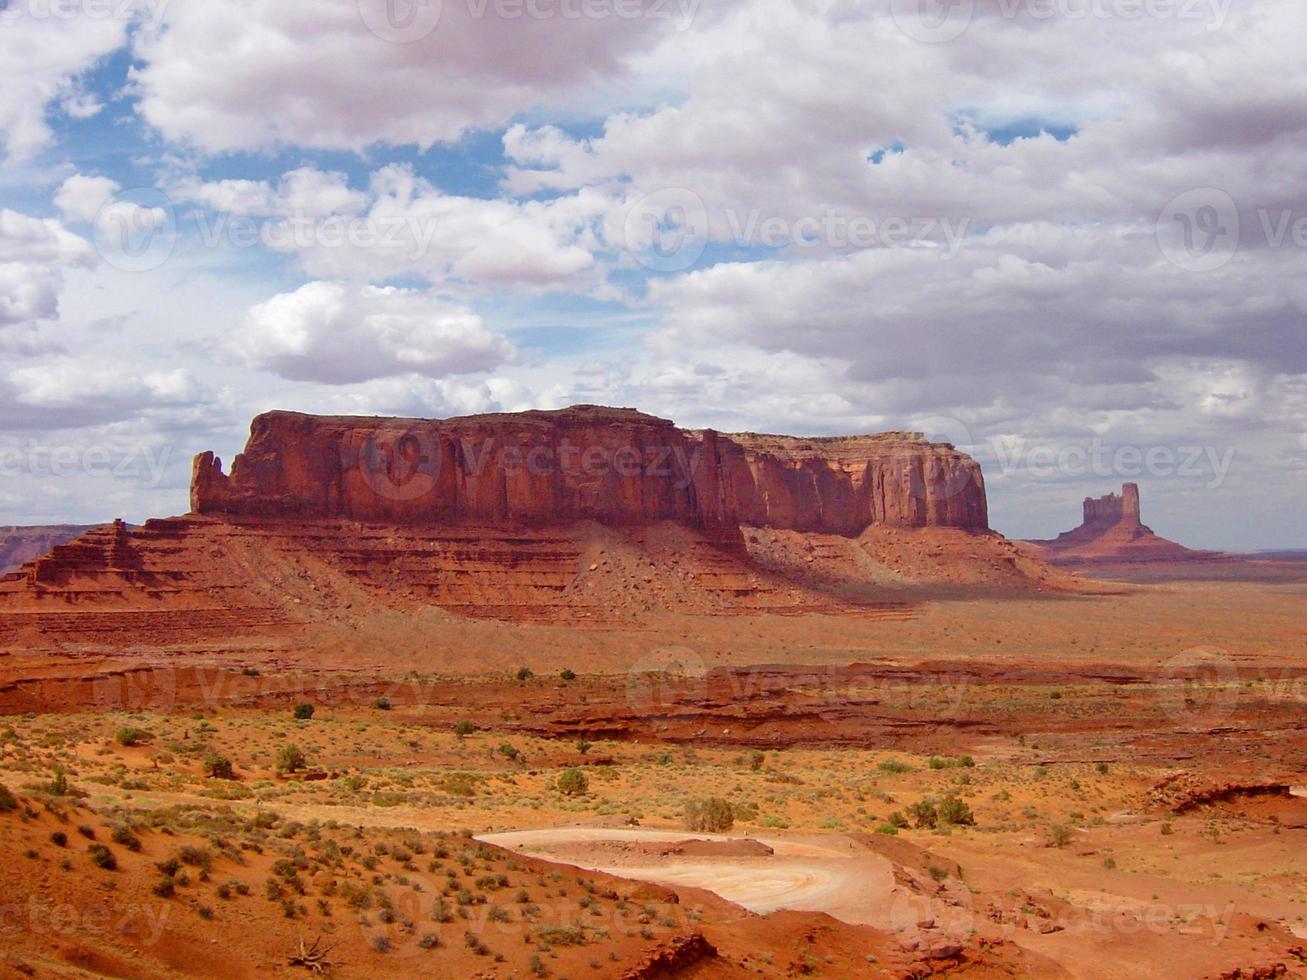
(525, 674)
(291, 759)
(888, 829)
(219, 767)
(573, 782)
(954, 811)
(464, 729)
(102, 857)
(58, 784)
(710, 814)
(1060, 834)
(568, 674)
(382, 704)
(130, 737)
(924, 815)
(123, 837)
(303, 712)
(894, 766)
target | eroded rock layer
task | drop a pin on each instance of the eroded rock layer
(615, 466)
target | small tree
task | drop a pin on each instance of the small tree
(291, 759)
(129, 737)
(509, 751)
(524, 674)
(303, 712)
(583, 746)
(710, 814)
(58, 784)
(573, 782)
(382, 704)
(568, 674)
(464, 728)
(924, 815)
(954, 811)
(219, 767)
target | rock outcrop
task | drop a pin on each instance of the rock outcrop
(1113, 531)
(583, 516)
(22, 544)
(618, 467)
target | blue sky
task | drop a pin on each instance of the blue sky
(1052, 241)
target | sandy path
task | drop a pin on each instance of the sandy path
(808, 874)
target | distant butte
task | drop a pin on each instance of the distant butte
(1113, 531)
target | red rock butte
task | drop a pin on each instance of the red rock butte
(616, 466)
(582, 516)
(1113, 531)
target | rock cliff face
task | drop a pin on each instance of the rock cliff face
(1112, 509)
(614, 466)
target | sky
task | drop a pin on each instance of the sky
(1068, 236)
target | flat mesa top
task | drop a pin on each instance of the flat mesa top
(585, 414)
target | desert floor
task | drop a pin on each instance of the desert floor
(1133, 759)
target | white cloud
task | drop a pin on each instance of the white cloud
(303, 193)
(41, 61)
(34, 254)
(311, 73)
(339, 334)
(80, 197)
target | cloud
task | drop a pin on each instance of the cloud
(336, 333)
(313, 73)
(80, 197)
(41, 62)
(64, 393)
(34, 254)
(303, 193)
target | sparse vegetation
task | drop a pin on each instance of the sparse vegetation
(573, 782)
(291, 759)
(710, 815)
